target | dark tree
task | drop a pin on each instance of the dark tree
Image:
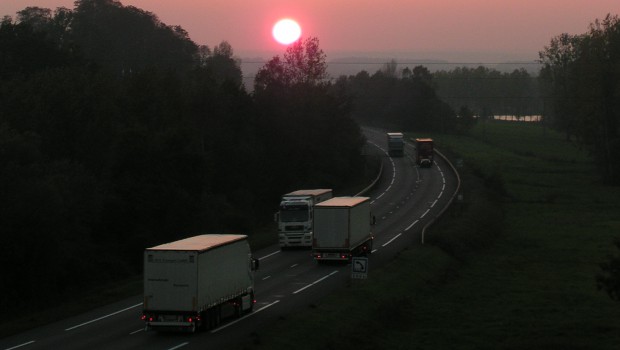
(609, 279)
(581, 74)
(127, 39)
(302, 63)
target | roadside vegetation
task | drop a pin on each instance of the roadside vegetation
(512, 267)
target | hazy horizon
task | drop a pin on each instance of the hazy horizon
(484, 31)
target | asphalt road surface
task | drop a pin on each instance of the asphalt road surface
(404, 200)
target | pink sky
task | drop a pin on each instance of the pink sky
(518, 28)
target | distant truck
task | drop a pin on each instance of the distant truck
(342, 229)
(424, 152)
(295, 216)
(187, 283)
(396, 144)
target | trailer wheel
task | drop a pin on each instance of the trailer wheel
(218, 315)
(204, 319)
(238, 307)
(210, 319)
(213, 317)
(251, 302)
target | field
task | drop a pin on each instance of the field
(513, 267)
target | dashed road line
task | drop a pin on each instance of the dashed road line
(20, 345)
(410, 226)
(315, 282)
(392, 240)
(102, 317)
(244, 317)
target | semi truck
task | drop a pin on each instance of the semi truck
(188, 283)
(396, 144)
(342, 229)
(295, 216)
(424, 152)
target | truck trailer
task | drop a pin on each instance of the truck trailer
(424, 152)
(396, 144)
(342, 229)
(188, 282)
(295, 216)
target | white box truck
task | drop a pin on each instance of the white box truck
(342, 229)
(187, 282)
(295, 216)
(396, 144)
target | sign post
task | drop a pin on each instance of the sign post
(359, 268)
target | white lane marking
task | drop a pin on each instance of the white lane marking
(410, 226)
(20, 345)
(102, 317)
(315, 282)
(268, 255)
(179, 346)
(374, 250)
(426, 212)
(294, 265)
(392, 240)
(266, 277)
(138, 331)
(440, 194)
(443, 187)
(244, 317)
(435, 202)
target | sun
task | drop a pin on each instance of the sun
(286, 31)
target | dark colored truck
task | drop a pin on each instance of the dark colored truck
(424, 152)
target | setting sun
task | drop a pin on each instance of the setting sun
(286, 31)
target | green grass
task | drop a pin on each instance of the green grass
(520, 273)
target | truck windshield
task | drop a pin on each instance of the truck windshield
(294, 213)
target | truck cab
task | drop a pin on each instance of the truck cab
(295, 216)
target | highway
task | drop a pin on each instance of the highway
(404, 200)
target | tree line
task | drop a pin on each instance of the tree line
(581, 77)
(488, 92)
(118, 132)
(407, 102)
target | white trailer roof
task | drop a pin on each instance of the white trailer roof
(342, 202)
(309, 192)
(199, 243)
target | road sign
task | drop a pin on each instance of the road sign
(359, 267)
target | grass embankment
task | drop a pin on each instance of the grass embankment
(512, 268)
